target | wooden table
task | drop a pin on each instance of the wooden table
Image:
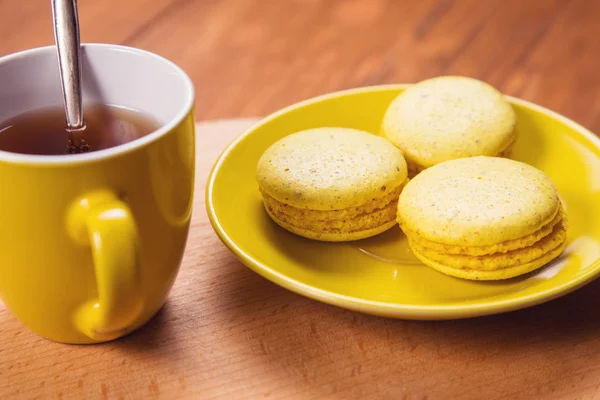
(225, 332)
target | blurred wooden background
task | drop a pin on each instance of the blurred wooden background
(252, 57)
(227, 332)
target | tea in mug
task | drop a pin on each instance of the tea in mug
(43, 131)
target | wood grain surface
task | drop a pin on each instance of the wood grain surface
(226, 332)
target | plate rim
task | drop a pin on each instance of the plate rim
(389, 309)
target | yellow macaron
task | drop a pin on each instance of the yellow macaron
(332, 184)
(449, 117)
(483, 218)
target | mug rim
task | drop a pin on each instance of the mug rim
(164, 129)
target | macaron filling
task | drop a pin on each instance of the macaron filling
(379, 212)
(503, 247)
(499, 260)
(503, 273)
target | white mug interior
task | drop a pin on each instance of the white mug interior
(111, 74)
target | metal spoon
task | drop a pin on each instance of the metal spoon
(66, 35)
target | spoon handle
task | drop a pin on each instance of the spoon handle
(66, 35)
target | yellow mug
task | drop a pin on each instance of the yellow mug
(90, 244)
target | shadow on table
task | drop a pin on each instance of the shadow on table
(325, 350)
(152, 337)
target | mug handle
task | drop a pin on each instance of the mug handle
(105, 223)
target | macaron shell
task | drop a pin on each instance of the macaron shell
(449, 117)
(330, 168)
(414, 169)
(478, 201)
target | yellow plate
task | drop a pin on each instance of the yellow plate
(380, 275)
